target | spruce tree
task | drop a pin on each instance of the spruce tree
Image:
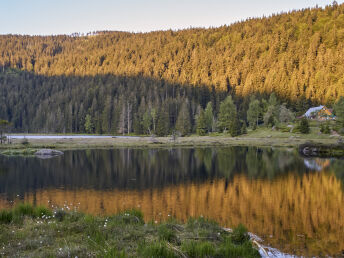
(253, 113)
(226, 114)
(183, 124)
(304, 126)
(201, 123)
(147, 122)
(162, 124)
(89, 126)
(234, 127)
(209, 117)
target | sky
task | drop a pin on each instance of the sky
(51, 17)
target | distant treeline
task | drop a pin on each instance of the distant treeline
(106, 83)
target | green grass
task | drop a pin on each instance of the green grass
(31, 231)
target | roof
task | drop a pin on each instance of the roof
(313, 109)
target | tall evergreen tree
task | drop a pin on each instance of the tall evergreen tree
(253, 113)
(162, 124)
(227, 114)
(201, 123)
(209, 117)
(183, 124)
(89, 126)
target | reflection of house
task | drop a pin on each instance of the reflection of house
(320, 113)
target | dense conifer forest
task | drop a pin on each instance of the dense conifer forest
(193, 80)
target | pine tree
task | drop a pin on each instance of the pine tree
(162, 124)
(147, 122)
(201, 123)
(226, 114)
(253, 113)
(339, 110)
(4, 124)
(183, 124)
(209, 117)
(304, 126)
(234, 126)
(89, 127)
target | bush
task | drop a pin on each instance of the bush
(60, 214)
(228, 249)
(166, 233)
(156, 250)
(304, 126)
(6, 217)
(198, 249)
(24, 210)
(240, 235)
(41, 211)
(325, 128)
(133, 216)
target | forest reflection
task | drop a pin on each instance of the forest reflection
(275, 193)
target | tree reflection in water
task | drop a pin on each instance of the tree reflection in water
(272, 192)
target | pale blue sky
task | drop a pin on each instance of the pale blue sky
(45, 17)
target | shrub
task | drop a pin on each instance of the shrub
(156, 250)
(304, 126)
(41, 211)
(24, 210)
(133, 216)
(198, 249)
(6, 216)
(166, 233)
(228, 249)
(60, 214)
(325, 128)
(240, 235)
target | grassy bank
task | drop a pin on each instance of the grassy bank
(262, 137)
(39, 232)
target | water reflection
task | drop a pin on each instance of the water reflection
(273, 192)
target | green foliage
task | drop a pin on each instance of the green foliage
(157, 250)
(240, 235)
(285, 115)
(183, 124)
(166, 233)
(201, 123)
(147, 122)
(89, 126)
(227, 114)
(121, 235)
(304, 126)
(24, 209)
(339, 111)
(209, 117)
(198, 249)
(41, 211)
(232, 250)
(162, 124)
(325, 128)
(253, 113)
(6, 216)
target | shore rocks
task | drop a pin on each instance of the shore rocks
(48, 153)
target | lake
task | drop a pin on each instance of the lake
(292, 203)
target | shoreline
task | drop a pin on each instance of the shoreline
(41, 232)
(68, 143)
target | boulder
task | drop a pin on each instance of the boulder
(48, 153)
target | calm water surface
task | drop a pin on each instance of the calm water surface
(294, 204)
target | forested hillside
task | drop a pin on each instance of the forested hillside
(106, 83)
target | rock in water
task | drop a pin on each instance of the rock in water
(48, 153)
